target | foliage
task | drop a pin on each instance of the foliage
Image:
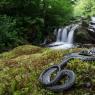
(84, 8)
(29, 21)
(9, 37)
(57, 12)
(20, 73)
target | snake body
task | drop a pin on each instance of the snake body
(53, 84)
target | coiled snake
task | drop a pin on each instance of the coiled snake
(53, 84)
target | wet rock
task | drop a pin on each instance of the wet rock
(91, 28)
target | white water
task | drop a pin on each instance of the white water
(65, 37)
(93, 19)
(71, 34)
(59, 35)
(64, 34)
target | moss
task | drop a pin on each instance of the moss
(21, 67)
(21, 50)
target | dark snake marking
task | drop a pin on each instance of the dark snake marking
(53, 85)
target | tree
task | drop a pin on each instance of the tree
(86, 8)
(34, 18)
(56, 13)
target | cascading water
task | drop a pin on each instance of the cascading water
(65, 37)
(64, 34)
(59, 35)
(71, 34)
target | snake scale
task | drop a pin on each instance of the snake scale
(53, 84)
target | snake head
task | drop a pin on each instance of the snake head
(85, 53)
(92, 51)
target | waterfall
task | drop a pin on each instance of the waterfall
(59, 35)
(64, 34)
(64, 37)
(71, 34)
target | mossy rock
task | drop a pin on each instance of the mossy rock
(21, 50)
